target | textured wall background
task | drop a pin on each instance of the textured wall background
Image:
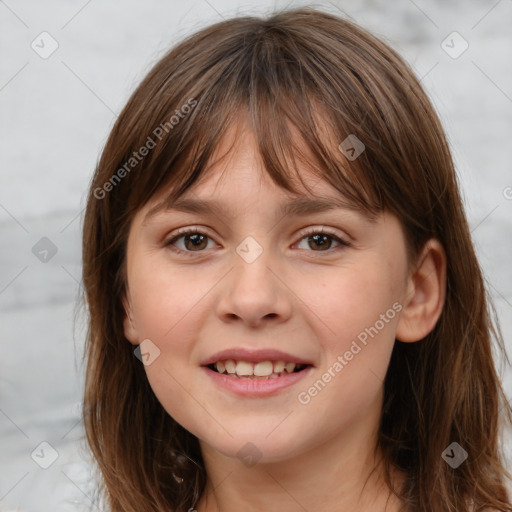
(57, 109)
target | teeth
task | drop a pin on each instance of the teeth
(279, 366)
(244, 369)
(262, 369)
(230, 365)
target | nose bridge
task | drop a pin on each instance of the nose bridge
(253, 290)
(252, 265)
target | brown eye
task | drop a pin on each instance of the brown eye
(193, 241)
(322, 241)
(197, 241)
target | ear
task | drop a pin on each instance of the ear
(130, 328)
(426, 291)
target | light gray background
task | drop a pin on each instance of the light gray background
(55, 116)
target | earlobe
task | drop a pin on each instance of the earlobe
(130, 330)
(424, 298)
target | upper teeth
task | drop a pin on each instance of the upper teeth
(261, 369)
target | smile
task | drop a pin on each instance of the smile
(261, 370)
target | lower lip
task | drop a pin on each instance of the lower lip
(255, 387)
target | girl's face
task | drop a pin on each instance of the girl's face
(257, 285)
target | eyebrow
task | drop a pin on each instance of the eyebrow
(299, 207)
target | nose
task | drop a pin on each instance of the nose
(254, 292)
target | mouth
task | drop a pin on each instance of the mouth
(262, 370)
(255, 373)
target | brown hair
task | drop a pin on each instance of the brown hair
(292, 69)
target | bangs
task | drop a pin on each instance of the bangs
(277, 95)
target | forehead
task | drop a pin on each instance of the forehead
(229, 193)
(235, 173)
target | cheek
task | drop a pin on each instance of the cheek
(357, 312)
(163, 304)
(348, 300)
(163, 297)
(168, 305)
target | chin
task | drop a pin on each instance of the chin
(255, 447)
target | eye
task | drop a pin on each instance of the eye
(322, 238)
(196, 241)
(193, 239)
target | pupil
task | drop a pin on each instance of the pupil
(196, 239)
(320, 236)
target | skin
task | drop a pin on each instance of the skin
(297, 297)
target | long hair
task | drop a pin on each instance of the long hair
(303, 69)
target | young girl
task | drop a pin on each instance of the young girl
(285, 308)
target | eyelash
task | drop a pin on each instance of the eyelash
(311, 231)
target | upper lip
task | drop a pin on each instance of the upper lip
(253, 356)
